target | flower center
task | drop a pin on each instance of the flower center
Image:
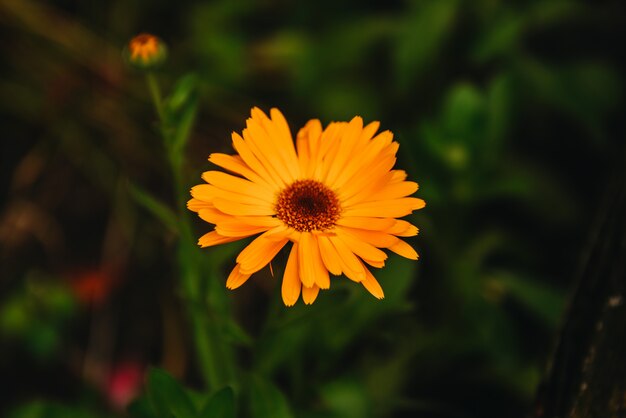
(308, 205)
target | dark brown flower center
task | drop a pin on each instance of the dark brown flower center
(308, 205)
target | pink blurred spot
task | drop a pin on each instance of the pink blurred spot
(124, 383)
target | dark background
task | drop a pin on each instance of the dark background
(509, 115)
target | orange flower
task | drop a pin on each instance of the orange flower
(145, 51)
(335, 196)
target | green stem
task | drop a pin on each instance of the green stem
(201, 327)
(205, 333)
(155, 92)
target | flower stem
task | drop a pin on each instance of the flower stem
(203, 326)
(155, 92)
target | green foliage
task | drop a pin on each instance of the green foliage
(421, 38)
(220, 405)
(37, 314)
(266, 400)
(167, 397)
(180, 110)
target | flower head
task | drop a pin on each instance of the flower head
(334, 195)
(145, 51)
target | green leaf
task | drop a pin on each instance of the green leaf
(167, 396)
(179, 114)
(266, 400)
(183, 92)
(221, 405)
(141, 408)
(183, 124)
(155, 207)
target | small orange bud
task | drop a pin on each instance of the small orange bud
(145, 51)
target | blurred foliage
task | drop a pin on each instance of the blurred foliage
(507, 114)
(36, 314)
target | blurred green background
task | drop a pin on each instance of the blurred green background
(509, 115)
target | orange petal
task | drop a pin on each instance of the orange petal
(283, 127)
(394, 208)
(359, 247)
(394, 191)
(369, 223)
(330, 137)
(238, 229)
(368, 132)
(372, 285)
(307, 271)
(279, 139)
(238, 185)
(330, 142)
(366, 177)
(376, 238)
(196, 205)
(214, 216)
(236, 278)
(308, 142)
(272, 152)
(199, 192)
(291, 285)
(377, 264)
(246, 153)
(377, 157)
(238, 209)
(329, 254)
(279, 232)
(258, 253)
(265, 155)
(238, 197)
(235, 164)
(351, 195)
(350, 264)
(404, 249)
(213, 238)
(346, 149)
(266, 221)
(309, 294)
(398, 175)
(403, 228)
(322, 279)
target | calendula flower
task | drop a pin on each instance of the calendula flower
(145, 51)
(334, 195)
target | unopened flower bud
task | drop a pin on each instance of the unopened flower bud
(145, 51)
